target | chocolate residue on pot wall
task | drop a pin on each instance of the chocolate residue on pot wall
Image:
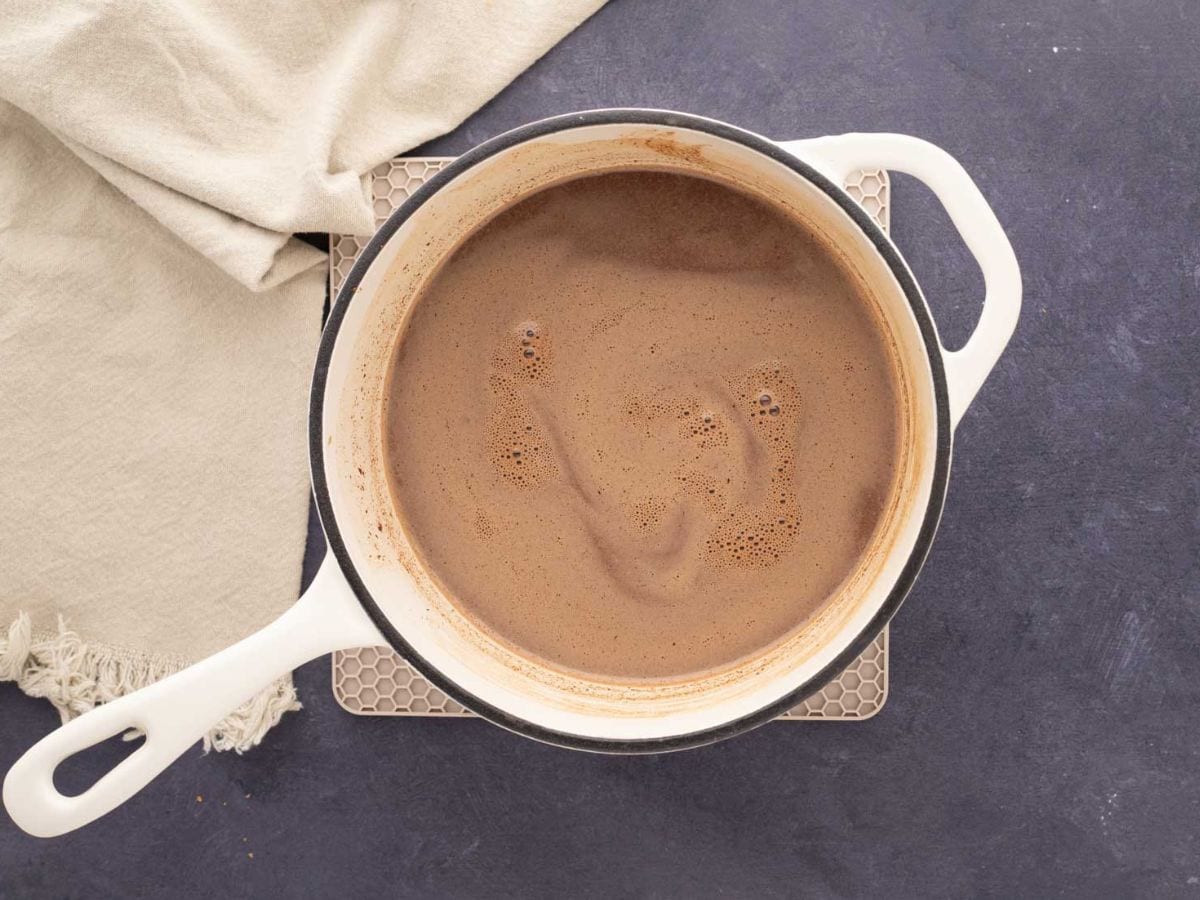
(669, 144)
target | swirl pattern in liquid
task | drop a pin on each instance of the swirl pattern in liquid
(641, 425)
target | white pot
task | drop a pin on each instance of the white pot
(372, 590)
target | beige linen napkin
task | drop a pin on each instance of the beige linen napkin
(157, 321)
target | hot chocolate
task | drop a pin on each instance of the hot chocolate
(641, 425)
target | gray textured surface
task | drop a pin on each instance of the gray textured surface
(1042, 735)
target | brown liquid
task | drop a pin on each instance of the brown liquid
(641, 425)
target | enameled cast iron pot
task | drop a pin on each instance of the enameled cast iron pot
(372, 590)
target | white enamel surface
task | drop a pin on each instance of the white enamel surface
(967, 368)
(176, 712)
(437, 632)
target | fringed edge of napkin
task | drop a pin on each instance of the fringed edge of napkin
(75, 676)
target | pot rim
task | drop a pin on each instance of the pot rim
(667, 119)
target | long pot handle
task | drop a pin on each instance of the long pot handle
(967, 368)
(176, 712)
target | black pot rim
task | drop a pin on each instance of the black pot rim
(667, 119)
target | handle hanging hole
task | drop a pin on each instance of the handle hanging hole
(947, 271)
(77, 773)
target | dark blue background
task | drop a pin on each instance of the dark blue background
(1043, 732)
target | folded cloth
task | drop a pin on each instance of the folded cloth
(158, 321)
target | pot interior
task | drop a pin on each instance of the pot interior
(442, 638)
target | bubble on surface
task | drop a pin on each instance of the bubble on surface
(758, 534)
(648, 514)
(517, 446)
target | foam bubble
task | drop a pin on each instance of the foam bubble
(758, 534)
(524, 352)
(517, 445)
(648, 514)
(705, 428)
(484, 525)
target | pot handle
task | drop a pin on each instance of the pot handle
(176, 712)
(966, 369)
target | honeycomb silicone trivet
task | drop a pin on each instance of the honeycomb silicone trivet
(376, 681)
